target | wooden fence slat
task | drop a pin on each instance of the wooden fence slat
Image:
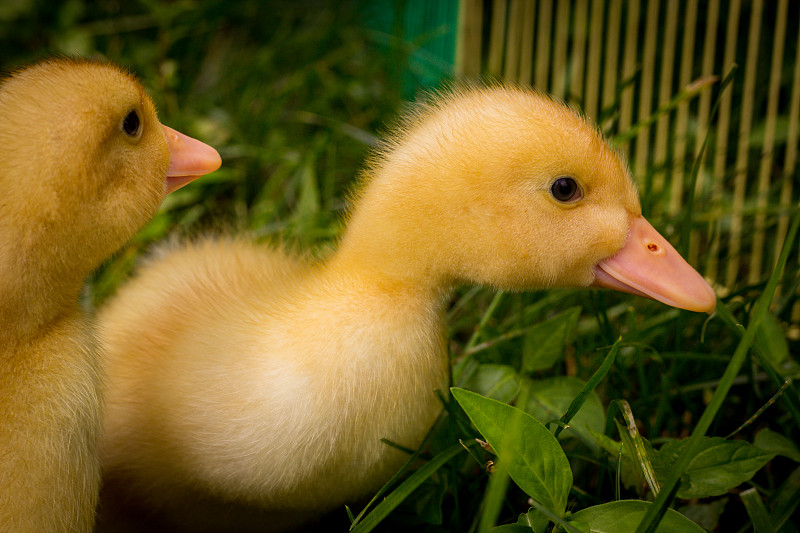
(723, 132)
(647, 78)
(468, 41)
(704, 112)
(765, 167)
(497, 37)
(611, 54)
(543, 44)
(593, 62)
(682, 120)
(559, 77)
(745, 127)
(578, 53)
(526, 43)
(629, 69)
(513, 37)
(665, 92)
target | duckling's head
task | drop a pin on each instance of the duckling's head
(498, 186)
(85, 164)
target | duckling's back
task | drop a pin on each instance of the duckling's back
(240, 371)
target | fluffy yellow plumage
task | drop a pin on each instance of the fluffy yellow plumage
(77, 180)
(243, 374)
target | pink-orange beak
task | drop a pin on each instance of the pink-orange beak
(649, 266)
(188, 159)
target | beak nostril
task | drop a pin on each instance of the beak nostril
(654, 248)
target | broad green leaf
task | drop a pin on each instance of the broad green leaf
(776, 443)
(719, 466)
(772, 340)
(534, 459)
(548, 399)
(499, 382)
(544, 344)
(623, 517)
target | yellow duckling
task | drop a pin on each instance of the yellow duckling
(85, 164)
(240, 373)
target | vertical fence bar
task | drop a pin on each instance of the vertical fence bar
(468, 45)
(526, 43)
(578, 55)
(723, 132)
(704, 112)
(740, 181)
(543, 33)
(642, 151)
(629, 69)
(757, 251)
(665, 92)
(682, 119)
(611, 54)
(497, 37)
(513, 36)
(559, 83)
(593, 61)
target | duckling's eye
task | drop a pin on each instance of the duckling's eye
(566, 189)
(132, 126)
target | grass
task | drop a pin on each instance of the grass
(293, 95)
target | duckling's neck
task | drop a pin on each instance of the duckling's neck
(390, 242)
(31, 298)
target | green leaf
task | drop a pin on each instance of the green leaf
(772, 340)
(396, 497)
(548, 399)
(623, 517)
(532, 455)
(499, 382)
(512, 528)
(719, 466)
(778, 444)
(544, 344)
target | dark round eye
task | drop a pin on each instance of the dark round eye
(565, 190)
(132, 125)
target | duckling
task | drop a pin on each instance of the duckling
(85, 164)
(243, 374)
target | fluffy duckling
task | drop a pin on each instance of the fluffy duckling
(85, 164)
(244, 374)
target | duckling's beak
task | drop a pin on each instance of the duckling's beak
(649, 266)
(188, 159)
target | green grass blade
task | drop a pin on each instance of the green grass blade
(757, 511)
(493, 497)
(595, 380)
(669, 488)
(408, 486)
(786, 500)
